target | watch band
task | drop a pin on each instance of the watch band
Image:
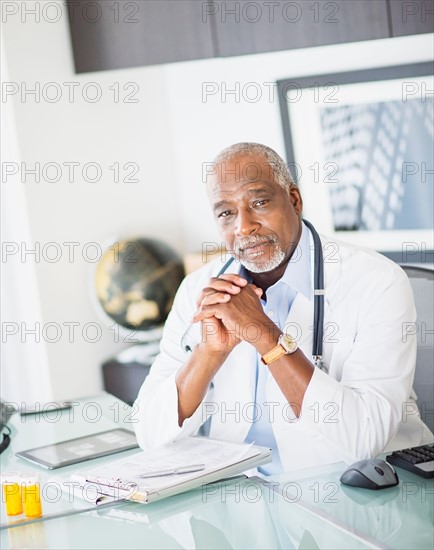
(273, 355)
(285, 346)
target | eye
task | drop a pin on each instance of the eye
(224, 214)
(261, 202)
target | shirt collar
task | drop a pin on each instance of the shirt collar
(298, 273)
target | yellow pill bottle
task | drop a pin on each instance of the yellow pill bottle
(11, 485)
(31, 495)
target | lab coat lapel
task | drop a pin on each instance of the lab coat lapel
(299, 323)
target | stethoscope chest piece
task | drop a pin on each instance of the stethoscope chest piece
(319, 363)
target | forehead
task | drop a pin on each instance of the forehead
(241, 175)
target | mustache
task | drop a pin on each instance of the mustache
(254, 240)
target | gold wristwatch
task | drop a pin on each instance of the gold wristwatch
(285, 345)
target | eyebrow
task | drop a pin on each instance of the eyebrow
(220, 204)
(252, 192)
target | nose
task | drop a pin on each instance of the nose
(246, 223)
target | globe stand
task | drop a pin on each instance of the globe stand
(124, 374)
(124, 380)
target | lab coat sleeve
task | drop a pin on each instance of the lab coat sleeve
(156, 406)
(360, 413)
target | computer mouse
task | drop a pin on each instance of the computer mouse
(371, 473)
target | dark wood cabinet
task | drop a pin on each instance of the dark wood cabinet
(265, 26)
(115, 34)
(411, 17)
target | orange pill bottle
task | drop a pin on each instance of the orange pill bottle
(31, 495)
(11, 485)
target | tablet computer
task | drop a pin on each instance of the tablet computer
(81, 449)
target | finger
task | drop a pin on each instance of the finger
(211, 292)
(215, 298)
(217, 285)
(234, 278)
(222, 286)
(210, 306)
(205, 312)
(258, 291)
(228, 281)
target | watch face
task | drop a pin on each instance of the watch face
(288, 343)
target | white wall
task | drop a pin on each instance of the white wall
(169, 133)
(104, 132)
(20, 300)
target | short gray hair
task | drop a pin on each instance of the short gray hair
(277, 164)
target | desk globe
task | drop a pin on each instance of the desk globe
(135, 281)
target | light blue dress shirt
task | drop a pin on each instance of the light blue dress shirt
(280, 296)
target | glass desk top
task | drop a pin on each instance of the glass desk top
(303, 509)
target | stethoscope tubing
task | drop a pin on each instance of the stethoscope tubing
(318, 315)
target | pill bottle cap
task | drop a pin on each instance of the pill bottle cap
(10, 477)
(30, 478)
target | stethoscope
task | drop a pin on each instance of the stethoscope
(318, 311)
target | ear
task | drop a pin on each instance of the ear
(295, 198)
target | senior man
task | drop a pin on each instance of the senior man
(247, 373)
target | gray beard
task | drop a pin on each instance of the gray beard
(262, 263)
(265, 265)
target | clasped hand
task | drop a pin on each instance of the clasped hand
(230, 311)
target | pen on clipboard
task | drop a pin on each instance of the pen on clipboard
(112, 483)
(117, 485)
(174, 471)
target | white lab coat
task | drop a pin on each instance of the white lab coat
(362, 407)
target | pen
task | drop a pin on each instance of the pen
(112, 483)
(174, 471)
(114, 486)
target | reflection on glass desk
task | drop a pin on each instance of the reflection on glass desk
(88, 416)
(306, 509)
(398, 517)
